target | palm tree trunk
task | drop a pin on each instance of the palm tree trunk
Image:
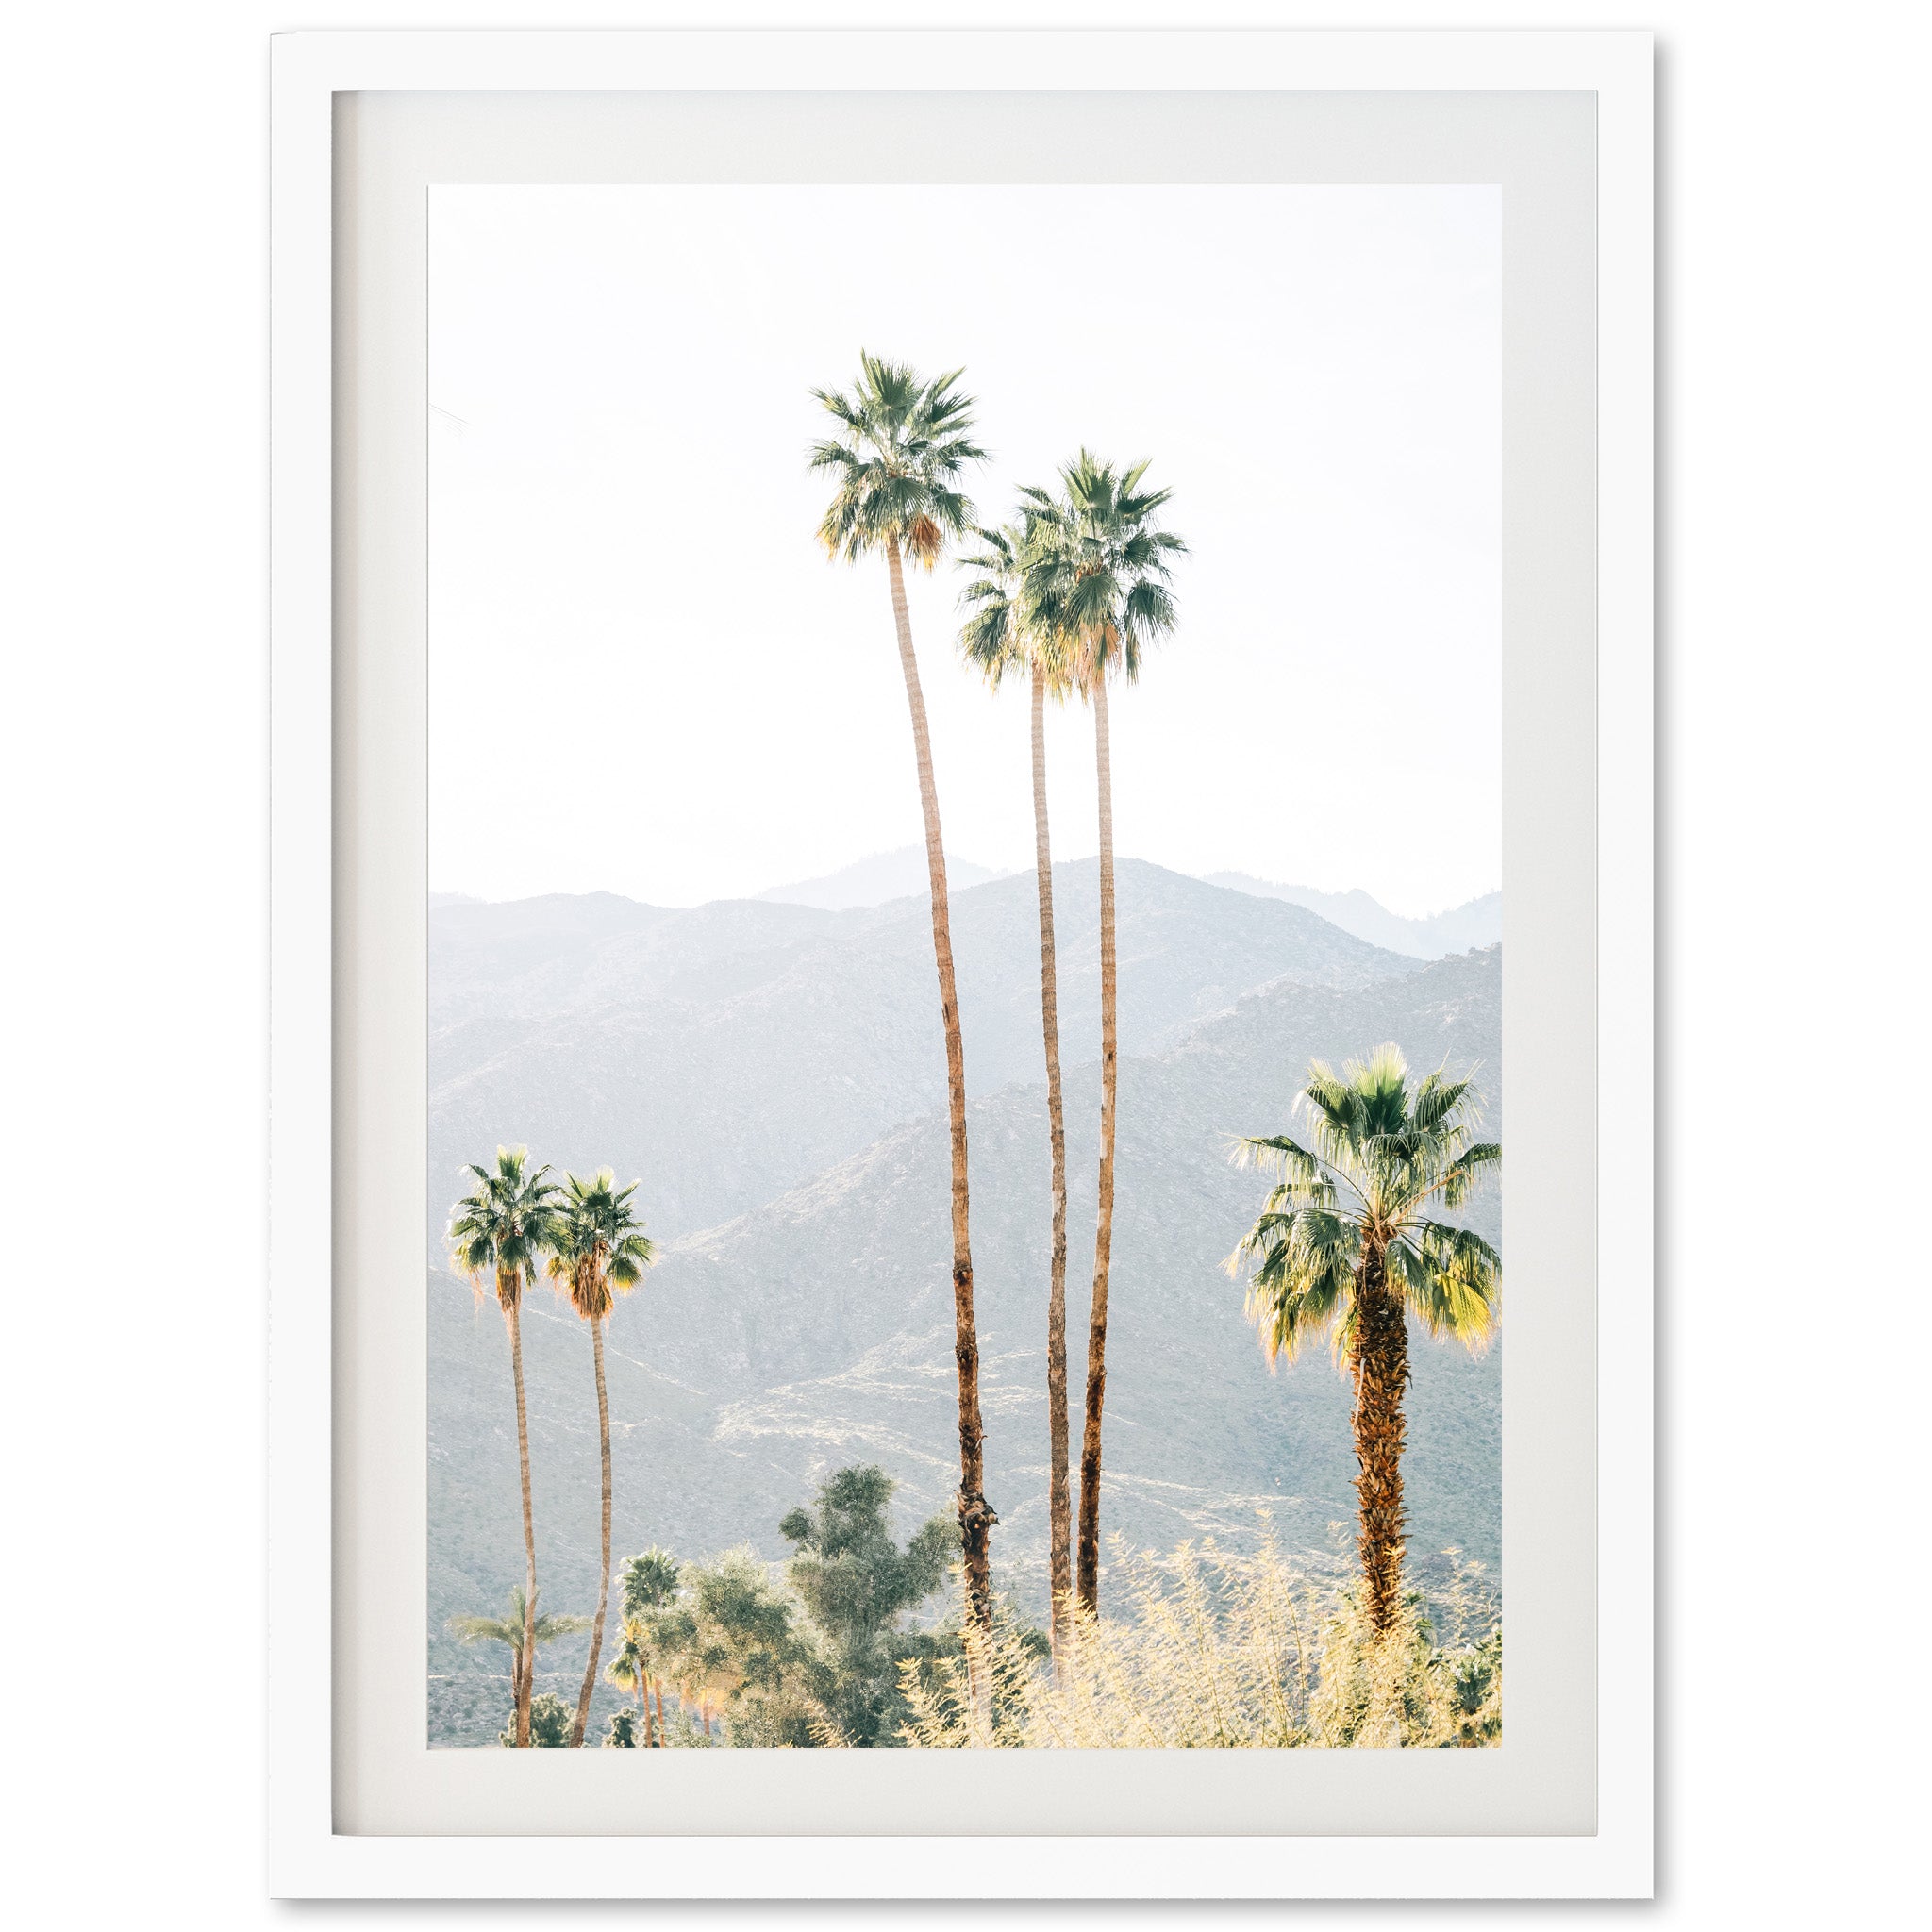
(1102, 1228)
(527, 1657)
(583, 1716)
(1381, 1376)
(1059, 1509)
(976, 1516)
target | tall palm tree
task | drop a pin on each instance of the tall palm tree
(999, 638)
(523, 1631)
(901, 445)
(1348, 1246)
(1097, 573)
(502, 1226)
(596, 1245)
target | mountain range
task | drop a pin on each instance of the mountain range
(883, 876)
(1477, 922)
(774, 1072)
(901, 873)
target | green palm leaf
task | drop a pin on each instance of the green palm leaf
(896, 466)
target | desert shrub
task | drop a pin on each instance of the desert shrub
(550, 1722)
(857, 1585)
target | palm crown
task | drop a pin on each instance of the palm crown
(631, 1666)
(1000, 633)
(897, 455)
(1096, 569)
(650, 1581)
(1383, 1157)
(506, 1224)
(595, 1243)
(509, 1630)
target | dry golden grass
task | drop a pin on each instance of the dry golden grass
(1216, 1651)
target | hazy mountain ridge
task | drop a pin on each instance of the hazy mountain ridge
(1476, 923)
(604, 1029)
(813, 1328)
(878, 877)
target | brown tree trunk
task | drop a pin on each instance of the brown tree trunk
(513, 1313)
(1381, 1376)
(583, 1716)
(1103, 1227)
(1059, 1506)
(976, 1516)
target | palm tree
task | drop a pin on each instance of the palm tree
(502, 1226)
(1347, 1246)
(1097, 573)
(650, 1582)
(999, 638)
(629, 1669)
(596, 1245)
(897, 455)
(522, 1630)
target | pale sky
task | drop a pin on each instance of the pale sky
(646, 678)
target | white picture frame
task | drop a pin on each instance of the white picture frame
(308, 1856)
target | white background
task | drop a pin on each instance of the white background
(1794, 642)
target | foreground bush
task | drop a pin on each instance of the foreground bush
(1224, 1651)
(550, 1720)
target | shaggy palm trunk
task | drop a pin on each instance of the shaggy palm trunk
(976, 1517)
(1103, 1227)
(583, 1716)
(513, 1314)
(1059, 1508)
(1381, 1376)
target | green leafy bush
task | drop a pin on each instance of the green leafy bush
(550, 1722)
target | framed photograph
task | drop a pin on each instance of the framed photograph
(950, 711)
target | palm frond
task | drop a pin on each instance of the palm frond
(509, 1629)
(903, 443)
(503, 1225)
(1379, 1154)
(595, 1243)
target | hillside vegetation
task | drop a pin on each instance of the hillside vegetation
(796, 1320)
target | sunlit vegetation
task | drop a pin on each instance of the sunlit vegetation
(1213, 1650)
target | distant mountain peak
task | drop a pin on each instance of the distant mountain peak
(877, 878)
